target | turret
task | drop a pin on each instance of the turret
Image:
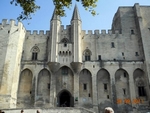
(76, 35)
(54, 36)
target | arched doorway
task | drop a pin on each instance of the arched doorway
(65, 99)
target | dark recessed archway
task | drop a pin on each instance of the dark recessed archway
(65, 99)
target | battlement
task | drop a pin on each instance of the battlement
(36, 32)
(63, 27)
(97, 32)
(11, 22)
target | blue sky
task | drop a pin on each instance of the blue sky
(41, 19)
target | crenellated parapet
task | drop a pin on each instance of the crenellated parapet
(36, 32)
(97, 32)
(102, 33)
(65, 30)
(12, 23)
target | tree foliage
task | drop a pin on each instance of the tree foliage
(29, 7)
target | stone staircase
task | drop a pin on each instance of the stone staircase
(51, 110)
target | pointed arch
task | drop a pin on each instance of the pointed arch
(122, 83)
(140, 83)
(103, 85)
(65, 40)
(65, 79)
(65, 99)
(87, 55)
(25, 82)
(25, 87)
(43, 87)
(85, 87)
(35, 50)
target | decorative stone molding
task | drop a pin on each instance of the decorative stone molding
(76, 66)
(54, 66)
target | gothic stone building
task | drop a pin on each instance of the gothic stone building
(71, 68)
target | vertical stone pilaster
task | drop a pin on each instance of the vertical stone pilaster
(131, 87)
(76, 89)
(53, 102)
(113, 91)
(35, 76)
(94, 88)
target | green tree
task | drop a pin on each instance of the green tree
(29, 7)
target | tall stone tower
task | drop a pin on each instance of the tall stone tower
(54, 34)
(76, 35)
(12, 38)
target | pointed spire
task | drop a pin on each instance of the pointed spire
(76, 15)
(55, 16)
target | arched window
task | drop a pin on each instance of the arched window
(87, 54)
(65, 41)
(141, 89)
(64, 71)
(35, 50)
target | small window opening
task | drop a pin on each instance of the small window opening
(87, 58)
(107, 96)
(34, 56)
(64, 71)
(65, 44)
(124, 58)
(48, 85)
(122, 53)
(125, 74)
(99, 57)
(89, 95)
(93, 66)
(141, 91)
(8, 32)
(60, 52)
(132, 31)
(69, 52)
(114, 59)
(112, 45)
(124, 91)
(105, 86)
(85, 86)
(136, 54)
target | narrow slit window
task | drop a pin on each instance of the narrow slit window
(125, 74)
(141, 91)
(99, 57)
(84, 86)
(132, 31)
(136, 54)
(122, 53)
(124, 91)
(48, 85)
(107, 96)
(105, 86)
(112, 45)
(65, 44)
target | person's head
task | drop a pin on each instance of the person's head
(109, 110)
(21, 111)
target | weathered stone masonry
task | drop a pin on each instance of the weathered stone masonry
(72, 68)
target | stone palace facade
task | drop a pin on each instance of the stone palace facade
(69, 67)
